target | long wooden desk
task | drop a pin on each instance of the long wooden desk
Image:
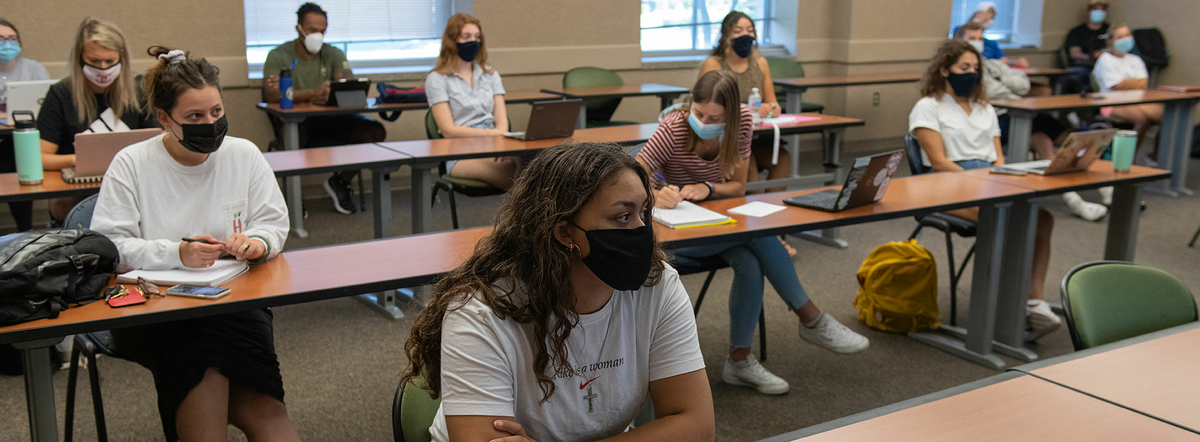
(795, 87)
(1174, 140)
(1153, 374)
(1006, 407)
(667, 94)
(52, 187)
(291, 133)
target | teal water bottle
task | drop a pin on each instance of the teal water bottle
(28, 144)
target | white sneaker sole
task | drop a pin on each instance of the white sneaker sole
(775, 391)
(1041, 326)
(336, 206)
(839, 350)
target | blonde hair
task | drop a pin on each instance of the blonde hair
(122, 94)
(448, 57)
(718, 87)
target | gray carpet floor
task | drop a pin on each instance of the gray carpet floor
(341, 361)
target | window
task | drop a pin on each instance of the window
(692, 27)
(1002, 27)
(372, 33)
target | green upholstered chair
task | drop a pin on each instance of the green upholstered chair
(599, 110)
(413, 412)
(450, 183)
(1107, 301)
(788, 68)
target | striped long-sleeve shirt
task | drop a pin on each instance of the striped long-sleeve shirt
(665, 153)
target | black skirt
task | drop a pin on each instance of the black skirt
(241, 346)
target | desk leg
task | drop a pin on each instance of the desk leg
(981, 321)
(1123, 223)
(422, 197)
(1174, 145)
(1056, 84)
(666, 101)
(39, 389)
(581, 123)
(829, 155)
(381, 184)
(1015, 275)
(795, 104)
(1019, 127)
(295, 201)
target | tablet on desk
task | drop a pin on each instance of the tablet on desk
(351, 93)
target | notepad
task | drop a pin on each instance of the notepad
(757, 209)
(789, 119)
(220, 273)
(688, 214)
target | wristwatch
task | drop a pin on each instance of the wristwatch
(711, 190)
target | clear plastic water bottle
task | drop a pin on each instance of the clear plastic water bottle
(755, 102)
(27, 143)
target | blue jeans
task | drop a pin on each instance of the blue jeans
(973, 164)
(751, 260)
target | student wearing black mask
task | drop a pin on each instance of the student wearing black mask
(566, 317)
(957, 130)
(735, 53)
(195, 182)
(466, 97)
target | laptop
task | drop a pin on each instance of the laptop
(27, 95)
(1076, 154)
(865, 184)
(95, 151)
(550, 119)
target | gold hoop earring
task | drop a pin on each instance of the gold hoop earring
(575, 248)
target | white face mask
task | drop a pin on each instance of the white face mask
(102, 78)
(987, 24)
(313, 41)
(977, 44)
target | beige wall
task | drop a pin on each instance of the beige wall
(834, 37)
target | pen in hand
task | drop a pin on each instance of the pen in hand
(200, 241)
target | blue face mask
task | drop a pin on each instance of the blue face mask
(1123, 45)
(9, 51)
(705, 131)
(1097, 16)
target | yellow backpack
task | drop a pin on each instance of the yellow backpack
(898, 288)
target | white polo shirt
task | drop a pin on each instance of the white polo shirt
(1111, 70)
(965, 137)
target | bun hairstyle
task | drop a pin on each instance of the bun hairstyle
(175, 73)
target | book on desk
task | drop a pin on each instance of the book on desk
(688, 214)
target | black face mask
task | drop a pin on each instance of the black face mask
(621, 258)
(468, 50)
(742, 46)
(963, 84)
(203, 138)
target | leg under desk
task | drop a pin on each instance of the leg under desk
(39, 389)
(295, 201)
(975, 343)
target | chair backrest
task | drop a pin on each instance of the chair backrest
(1107, 301)
(1095, 85)
(912, 151)
(431, 127)
(413, 412)
(1064, 57)
(80, 216)
(598, 109)
(784, 68)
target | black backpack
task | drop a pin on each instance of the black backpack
(44, 271)
(1152, 47)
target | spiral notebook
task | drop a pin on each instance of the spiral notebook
(221, 272)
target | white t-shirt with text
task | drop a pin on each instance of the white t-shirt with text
(638, 337)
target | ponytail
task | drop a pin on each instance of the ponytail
(174, 73)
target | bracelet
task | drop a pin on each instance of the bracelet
(711, 190)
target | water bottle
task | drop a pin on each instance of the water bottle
(285, 89)
(28, 145)
(755, 102)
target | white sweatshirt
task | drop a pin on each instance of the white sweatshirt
(148, 202)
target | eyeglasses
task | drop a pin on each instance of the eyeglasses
(11, 38)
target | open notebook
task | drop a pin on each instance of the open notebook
(688, 214)
(220, 273)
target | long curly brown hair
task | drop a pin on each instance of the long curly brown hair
(522, 246)
(933, 83)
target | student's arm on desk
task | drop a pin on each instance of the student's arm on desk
(1130, 84)
(445, 123)
(500, 113)
(116, 216)
(931, 143)
(999, 152)
(52, 160)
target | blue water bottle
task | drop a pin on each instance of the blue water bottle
(28, 145)
(285, 89)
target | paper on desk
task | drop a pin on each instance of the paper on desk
(789, 119)
(757, 209)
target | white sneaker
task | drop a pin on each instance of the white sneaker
(831, 335)
(1040, 320)
(1105, 195)
(1083, 209)
(749, 373)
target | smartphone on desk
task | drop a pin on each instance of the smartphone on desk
(197, 291)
